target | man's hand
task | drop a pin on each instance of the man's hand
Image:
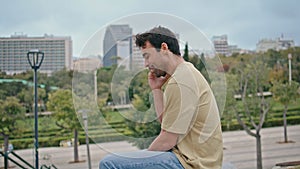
(156, 82)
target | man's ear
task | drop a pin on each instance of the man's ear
(164, 46)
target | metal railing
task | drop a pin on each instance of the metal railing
(24, 165)
(6, 158)
(48, 167)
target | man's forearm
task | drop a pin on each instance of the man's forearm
(164, 141)
(158, 103)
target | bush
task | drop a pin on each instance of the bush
(120, 130)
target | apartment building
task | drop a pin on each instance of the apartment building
(276, 44)
(13, 53)
(221, 44)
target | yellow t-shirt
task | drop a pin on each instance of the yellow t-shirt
(190, 110)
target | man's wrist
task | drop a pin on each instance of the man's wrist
(156, 89)
(157, 92)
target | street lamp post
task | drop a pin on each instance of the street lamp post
(35, 59)
(290, 67)
(85, 121)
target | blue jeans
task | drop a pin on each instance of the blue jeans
(141, 160)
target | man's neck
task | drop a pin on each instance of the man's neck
(174, 62)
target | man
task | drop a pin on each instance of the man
(190, 134)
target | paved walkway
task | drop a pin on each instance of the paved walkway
(239, 149)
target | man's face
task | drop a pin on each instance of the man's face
(152, 59)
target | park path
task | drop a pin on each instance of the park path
(239, 150)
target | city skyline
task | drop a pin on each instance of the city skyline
(245, 24)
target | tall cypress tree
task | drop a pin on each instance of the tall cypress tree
(201, 63)
(201, 67)
(186, 52)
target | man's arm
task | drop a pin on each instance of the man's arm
(158, 103)
(156, 84)
(164, 141)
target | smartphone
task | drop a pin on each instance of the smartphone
(160, 73)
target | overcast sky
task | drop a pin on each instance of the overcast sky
(245, 22)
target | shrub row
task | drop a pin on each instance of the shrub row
(272, 122)
(116, 132)
(55, 141)
(29, 142)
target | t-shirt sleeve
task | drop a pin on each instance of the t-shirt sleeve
(179, 108)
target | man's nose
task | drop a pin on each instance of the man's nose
(146, 64)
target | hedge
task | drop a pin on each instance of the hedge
(116, 131)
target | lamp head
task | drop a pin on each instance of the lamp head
(35, 58)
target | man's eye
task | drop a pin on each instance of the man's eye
(146, 56)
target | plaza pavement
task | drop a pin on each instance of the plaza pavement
(239, 150)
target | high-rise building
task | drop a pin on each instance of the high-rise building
(117, 45)
(137, 58)
(276, 44)
(13, 53)
(220, 44)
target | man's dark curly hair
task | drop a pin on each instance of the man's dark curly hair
(156, 37)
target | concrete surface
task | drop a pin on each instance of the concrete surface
(239, 150)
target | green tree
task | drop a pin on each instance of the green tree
(26, 97)
(199, 63)
(272, 57)
(139, 103)
(2, 94)
(104, 78)
(11, 114)
(139, 87)
(201, 67)
(12, 88)
(230, 104)
(194, 60)
(281, 58)
(61, 104)
(28, 75)
(252, 81)
(186, 52)
(285, 93)
(277, 74)
(61, 79)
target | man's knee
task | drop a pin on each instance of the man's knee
(107, 162)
